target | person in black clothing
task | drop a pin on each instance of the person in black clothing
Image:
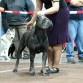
(17, 21)
(57, 11)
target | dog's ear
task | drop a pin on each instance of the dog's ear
(50, 25)
(37, 18)
(13, 30)
(8, 30)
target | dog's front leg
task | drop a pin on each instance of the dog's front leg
(44, 59)
(32, 69)
(6, 54)
(16, 66)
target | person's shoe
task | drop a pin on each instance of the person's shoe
(71, 61)
(49, 70)
(53, 70)
(56, 70)
(80, 57)
(27, 56)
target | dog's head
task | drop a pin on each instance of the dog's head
(10, 34)
(43, 22)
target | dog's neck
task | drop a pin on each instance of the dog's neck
(40, 33)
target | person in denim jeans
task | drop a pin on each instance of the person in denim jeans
(3, 24)
(75, 30)
(1, 29)
(0, 25)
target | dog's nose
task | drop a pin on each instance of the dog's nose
(11, 37)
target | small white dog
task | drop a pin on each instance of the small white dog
(6, 41)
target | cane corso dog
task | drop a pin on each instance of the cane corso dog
(37, 41)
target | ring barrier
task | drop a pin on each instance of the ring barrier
(24, 12)
(76, 12)
(17, 12)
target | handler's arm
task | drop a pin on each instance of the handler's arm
(39, 6)
(75, 3)
(54, 8)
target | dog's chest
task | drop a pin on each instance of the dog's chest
(35, 44)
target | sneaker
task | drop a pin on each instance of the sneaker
(71, 61)
(80, 57)
(26, 56)
(52, 70)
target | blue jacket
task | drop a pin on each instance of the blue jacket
(75, 16)
(19, 5)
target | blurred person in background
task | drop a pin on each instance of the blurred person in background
(17, 21)
(4, 25)
(75, 30)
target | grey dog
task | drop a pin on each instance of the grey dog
(37, 41)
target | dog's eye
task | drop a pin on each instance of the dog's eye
(43, 21)
(37, 19)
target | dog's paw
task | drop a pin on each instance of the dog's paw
(32, 74)
(7, 58)
(44, 73)
(13, 57)
(14, 70)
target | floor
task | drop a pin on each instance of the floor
(69, 73)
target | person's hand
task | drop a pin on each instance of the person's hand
(40, 13)
(30, 24)
(1, 9)
(76, 3)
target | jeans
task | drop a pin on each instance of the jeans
(75, 30)
(2, 32)
(1, 29)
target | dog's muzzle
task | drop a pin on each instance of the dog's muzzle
(43, 22)
(12, 37)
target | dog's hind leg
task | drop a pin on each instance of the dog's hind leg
(18, 54)
(32, 69)
(18, 57)
(44, 59)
